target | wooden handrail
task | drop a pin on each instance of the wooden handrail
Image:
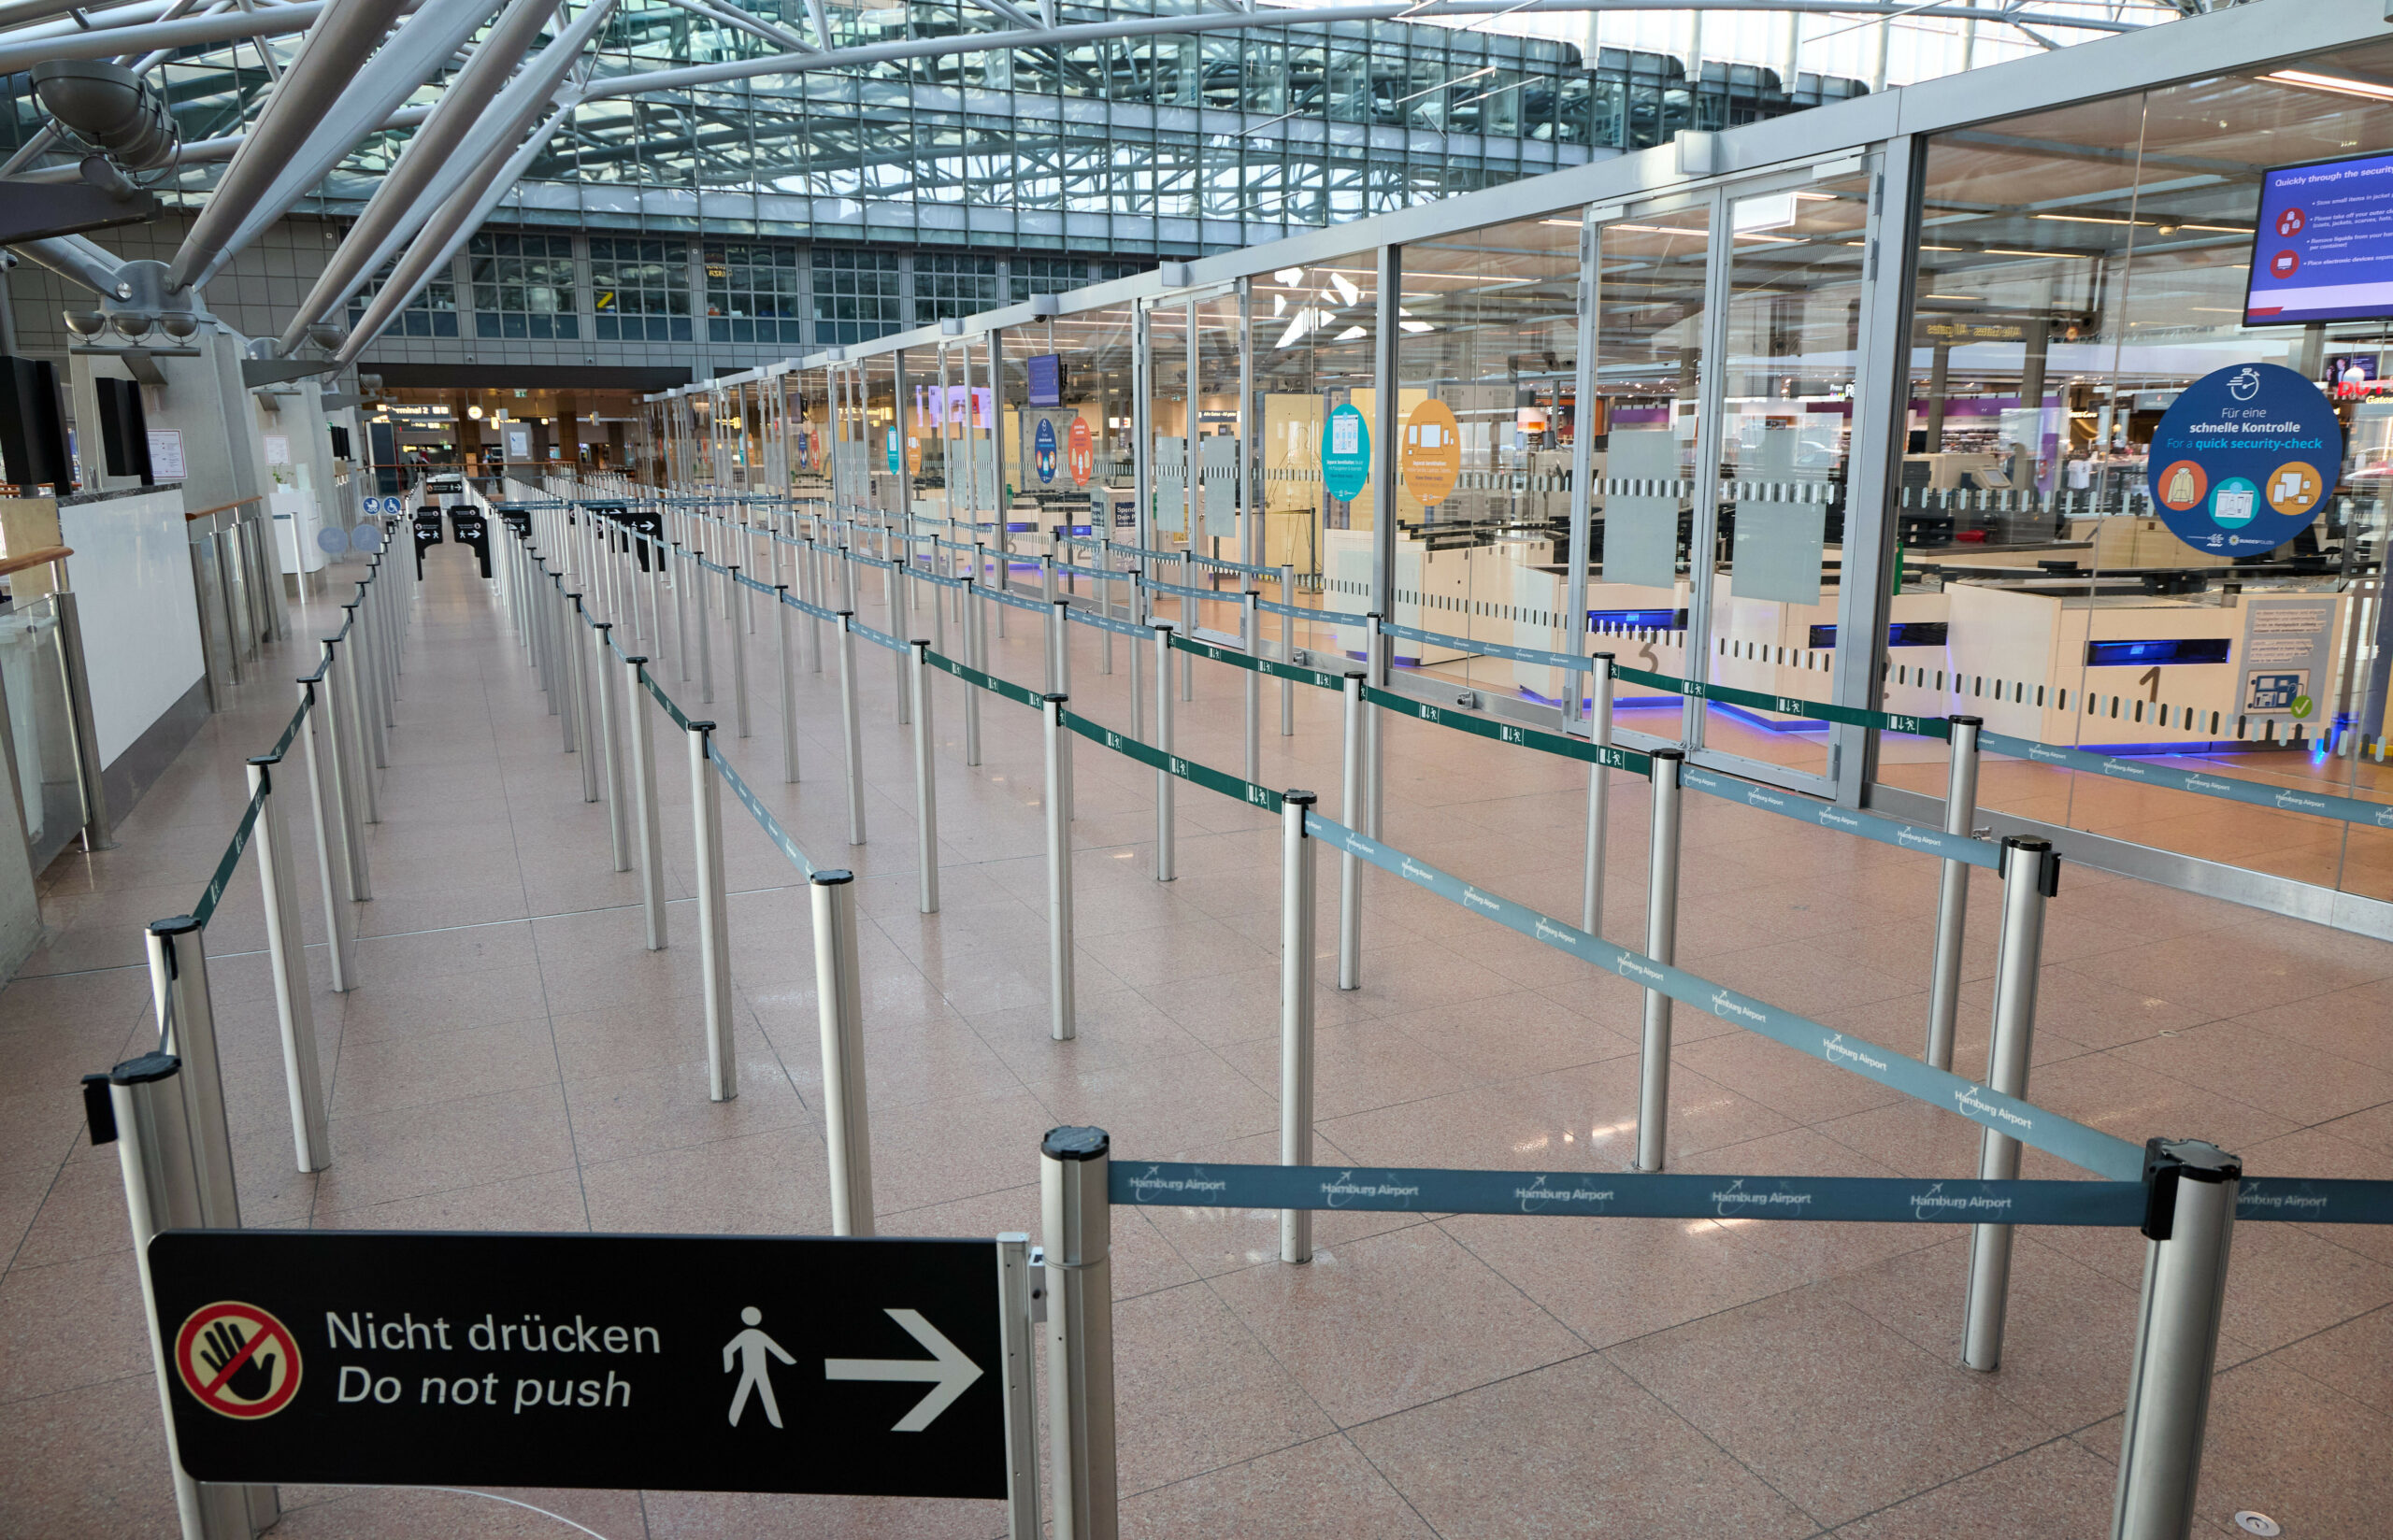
(11, 564)
(221, 508)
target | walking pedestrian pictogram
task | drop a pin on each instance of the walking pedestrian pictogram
(237, 1361)
(755, 1374)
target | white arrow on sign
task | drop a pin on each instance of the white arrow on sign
(949, 1372)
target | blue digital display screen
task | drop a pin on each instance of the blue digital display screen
(1046, 371)
(2323, 246)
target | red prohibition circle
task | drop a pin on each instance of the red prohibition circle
(207, 1384)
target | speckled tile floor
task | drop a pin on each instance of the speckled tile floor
(514, 1060)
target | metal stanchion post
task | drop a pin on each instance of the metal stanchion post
(1059, 873)
(1287, 650)
(788, 678)
(331, 826)
(565, 692)
(851, 727)
(1953, 893)
(155, 1150)
(1661, 945)
(972, 631)
(1138, 702)
(1295, 1012)
(611, 742)
(1379, 662)
(646, 831)
(1019, 1335)
(901, 617)
(1249, 629)
(715, 920)
(578, 675)
(286, 951)
(813, 569)
(1101, 589)
(1167, 784)
(1350, 865)
(368, 804)
(677, 580)
(1076, 1216)
(2030, 874)
(706, 627)
(1591, 881)
(2189, 1220)
(1188, 620)
(187, 1029)
(738, 655)
(839, 995)
(1058, 648)
(925, 779)
(332, 713)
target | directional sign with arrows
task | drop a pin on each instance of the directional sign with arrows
(695, 1362)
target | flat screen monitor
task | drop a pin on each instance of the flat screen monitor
(2323, 246)
(1046, 371)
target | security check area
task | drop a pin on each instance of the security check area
(2051, 282)
(1685, 849)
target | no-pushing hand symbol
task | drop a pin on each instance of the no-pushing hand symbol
(237, 1361)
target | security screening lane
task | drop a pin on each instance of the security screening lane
(1283, 1338)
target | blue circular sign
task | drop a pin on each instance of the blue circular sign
(334, 541)
(2243, 458)
(366, 537)
(1043, 442)
(1345, 453)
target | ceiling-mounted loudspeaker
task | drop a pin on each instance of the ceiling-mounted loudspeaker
(1045, 306)
(1174, 274)
(1698, 151)
(951, 325)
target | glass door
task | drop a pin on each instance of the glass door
(1783, 398)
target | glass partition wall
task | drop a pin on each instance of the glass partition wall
(1488, 365)
(1682, 385)
(2064, 299)
(1312, 328)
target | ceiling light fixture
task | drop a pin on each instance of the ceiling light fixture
(2340, 85)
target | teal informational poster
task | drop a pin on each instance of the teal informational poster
(893, 448)
(1345, 453)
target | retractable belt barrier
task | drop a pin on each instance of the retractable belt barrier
(1636, 1194)
(2253, 794)
(1827, 815)
(1558, 744)
(2022, 1120)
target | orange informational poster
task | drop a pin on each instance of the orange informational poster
(1081, 452)
(914, 453)
(1431, 452)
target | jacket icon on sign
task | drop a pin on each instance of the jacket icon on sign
(2181, 487)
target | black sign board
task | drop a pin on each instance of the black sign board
(516, 517)
(427, 533)
(467, 527)
(717, 1364)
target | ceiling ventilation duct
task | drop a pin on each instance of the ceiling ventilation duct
(108, 108)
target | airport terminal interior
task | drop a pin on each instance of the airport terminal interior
(1413, 768)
